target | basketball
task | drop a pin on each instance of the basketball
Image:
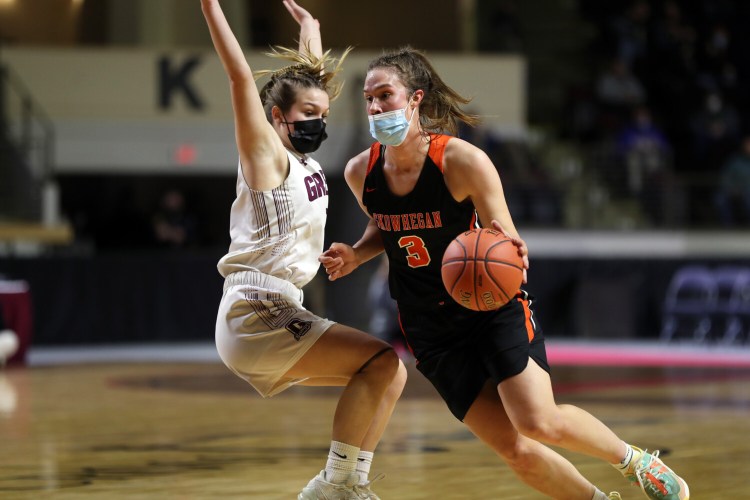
(482, 270)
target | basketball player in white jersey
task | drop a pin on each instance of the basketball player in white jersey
(263, 333)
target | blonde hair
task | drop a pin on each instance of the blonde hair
(440, 109)
(306, 71)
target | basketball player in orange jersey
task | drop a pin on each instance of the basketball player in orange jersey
(263, 332)
(420, 189)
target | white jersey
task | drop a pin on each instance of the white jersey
(279, 232)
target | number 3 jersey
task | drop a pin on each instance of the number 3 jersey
(416, 228)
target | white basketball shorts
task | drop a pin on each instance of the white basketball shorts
(262, 329)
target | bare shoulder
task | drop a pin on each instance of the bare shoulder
(356, 167)
(466, 168)
(265, 165)
(461, 156)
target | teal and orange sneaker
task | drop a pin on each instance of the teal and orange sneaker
(657, 481)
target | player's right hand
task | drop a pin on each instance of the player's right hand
(338, 261)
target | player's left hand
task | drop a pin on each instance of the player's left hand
(299, 14)
(523, 250)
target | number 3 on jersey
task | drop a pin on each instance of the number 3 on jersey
(418, 256)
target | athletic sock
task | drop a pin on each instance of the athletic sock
(342, 461)
(364, 461)
(624, 464)
(599, 495)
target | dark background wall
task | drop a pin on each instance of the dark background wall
(167, 296)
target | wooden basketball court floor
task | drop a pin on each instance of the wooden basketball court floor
(171, 422)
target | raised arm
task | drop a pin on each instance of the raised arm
(309, 29)
(261, 151)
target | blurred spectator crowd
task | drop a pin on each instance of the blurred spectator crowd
(671, 95)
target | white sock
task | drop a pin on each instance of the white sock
(624, 464)
(342, 461)
(364, 461)
(599, 495)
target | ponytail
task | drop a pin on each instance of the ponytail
(306, 71)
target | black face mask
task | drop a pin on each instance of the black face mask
(307, 135)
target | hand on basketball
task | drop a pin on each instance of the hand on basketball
(523, 250)
(299, 14)
(338, 261)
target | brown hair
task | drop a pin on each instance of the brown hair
(440, 108)
(306, 71)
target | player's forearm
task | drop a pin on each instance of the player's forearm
(225, 43)
(310, 38)
(370, 245)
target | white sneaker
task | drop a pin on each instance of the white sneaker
(364, 491)
(320, 489)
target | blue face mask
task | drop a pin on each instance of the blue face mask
(390, 128)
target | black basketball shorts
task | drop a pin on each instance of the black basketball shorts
(458, 350)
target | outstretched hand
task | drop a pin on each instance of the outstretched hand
(523, 250)
(299, 14)
(338, 261)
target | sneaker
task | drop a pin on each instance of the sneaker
(657, 480)
(320, 489)
(364, 491)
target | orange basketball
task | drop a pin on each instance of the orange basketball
(482, 269)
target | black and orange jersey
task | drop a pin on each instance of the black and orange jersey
(416, 228)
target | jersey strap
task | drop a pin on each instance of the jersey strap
(375, 152)
(436, 151)
(437, 148)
